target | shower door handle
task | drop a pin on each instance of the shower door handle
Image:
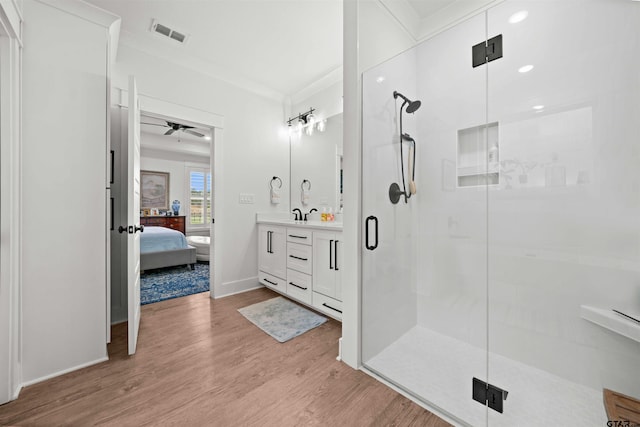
(366, 232)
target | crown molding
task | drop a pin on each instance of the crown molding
(85, 11)
(324, 82)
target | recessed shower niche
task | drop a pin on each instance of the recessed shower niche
(478, 156)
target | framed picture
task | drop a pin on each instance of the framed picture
(154, 190)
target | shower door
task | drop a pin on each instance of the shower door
(424, 275)
(524, 234)
(564, 220)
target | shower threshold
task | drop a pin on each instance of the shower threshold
(439, 369)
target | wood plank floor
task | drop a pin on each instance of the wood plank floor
(199, 362)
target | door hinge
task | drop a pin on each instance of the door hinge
(488, 394)
(487, 51)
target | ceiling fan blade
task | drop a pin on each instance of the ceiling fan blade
(170, 131)
(153, 124)
(194, 133)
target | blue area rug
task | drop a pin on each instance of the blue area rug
(281, 318)
(173, 282)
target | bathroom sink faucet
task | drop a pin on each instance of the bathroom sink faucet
(309, 213)
(298, 214)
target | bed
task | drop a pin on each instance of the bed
(164, 247)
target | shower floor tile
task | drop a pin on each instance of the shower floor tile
(439, 370)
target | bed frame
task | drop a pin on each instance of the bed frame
(170, 258)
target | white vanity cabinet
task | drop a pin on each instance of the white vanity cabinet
(327, 273)
(303, 262)
(299, 264)
(272, 256)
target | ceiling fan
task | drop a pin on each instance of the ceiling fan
(173, 127)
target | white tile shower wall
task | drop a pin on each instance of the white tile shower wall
(553, 245)
(566, 233)
(389, 280)
(452, 227)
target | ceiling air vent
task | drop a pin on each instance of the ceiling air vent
(158, 28)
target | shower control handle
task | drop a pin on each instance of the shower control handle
(366, 232)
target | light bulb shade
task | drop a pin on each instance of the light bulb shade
(322, 124)
(309, 130)
(300, 125)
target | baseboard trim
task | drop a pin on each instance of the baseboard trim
(64, 371)
(237, 287)
(16, 392)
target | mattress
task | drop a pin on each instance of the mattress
(158, 239)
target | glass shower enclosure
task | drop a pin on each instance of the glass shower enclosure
(498, 279)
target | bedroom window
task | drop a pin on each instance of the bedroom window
(199, 214)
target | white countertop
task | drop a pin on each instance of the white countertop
(279, 219)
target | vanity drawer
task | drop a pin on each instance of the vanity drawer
(299, 257)
(299, 286)
(298, 235)
(327, 305)
(272, 282)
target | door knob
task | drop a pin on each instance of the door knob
(122, 229)
(138, 228)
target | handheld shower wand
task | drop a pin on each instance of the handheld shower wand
(394, 190)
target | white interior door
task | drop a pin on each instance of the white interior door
(133, 216)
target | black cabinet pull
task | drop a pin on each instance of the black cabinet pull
(112, 227)
(297, 237)
(366, 232)
(270, 282)
(334, 309)
(335, 255)
(293, 284)
(269, 242)
(297, 257)
(330, 254)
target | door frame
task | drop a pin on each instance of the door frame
(10, 200)
(170, 111)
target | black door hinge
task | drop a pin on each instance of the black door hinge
(487, 51)
(488, 394)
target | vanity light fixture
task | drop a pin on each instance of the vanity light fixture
(303, 120)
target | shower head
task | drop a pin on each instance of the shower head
(413, 105)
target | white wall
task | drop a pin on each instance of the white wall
(10, 142)
(176, 177)
(63, 186)
(255, 148)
